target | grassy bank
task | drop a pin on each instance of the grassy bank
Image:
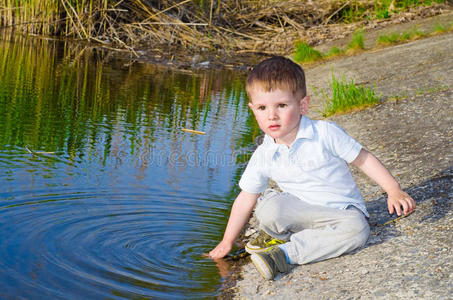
(346, 96)
(193, 24)
(303, 53)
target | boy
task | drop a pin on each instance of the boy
(320, 214)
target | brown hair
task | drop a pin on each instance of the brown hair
(277, 72)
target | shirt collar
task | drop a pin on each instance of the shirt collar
(305, 131)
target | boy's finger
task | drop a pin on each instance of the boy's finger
(398, 209)
(215, 254)
(390, 208)
(410, 207)
(405, 207)
(412, 203)
(211, 253)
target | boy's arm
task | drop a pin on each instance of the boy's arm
(374, 169)
(240, 214)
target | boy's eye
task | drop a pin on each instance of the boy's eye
(261, 107)
(282, 105)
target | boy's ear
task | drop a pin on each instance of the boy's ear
(304, 104)
(250, 105)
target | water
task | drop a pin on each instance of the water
(103, 195)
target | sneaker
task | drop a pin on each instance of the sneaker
(271, 261)
(261, 243)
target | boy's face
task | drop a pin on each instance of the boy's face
(278, 113)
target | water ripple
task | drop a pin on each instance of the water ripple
(101, 244)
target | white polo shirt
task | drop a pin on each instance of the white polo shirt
(313, 169)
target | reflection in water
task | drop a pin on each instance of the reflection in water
(103, 193)
(223, 266)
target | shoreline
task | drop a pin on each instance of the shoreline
(321, 37)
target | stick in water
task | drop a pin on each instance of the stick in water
(193, 131)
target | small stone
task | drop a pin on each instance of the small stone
(379, 293)
(363, 271)
(195, 59)
(204, 63)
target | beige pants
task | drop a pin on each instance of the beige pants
(313, 232)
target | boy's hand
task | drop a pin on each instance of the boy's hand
(399, 199)
(240, 214)
(221, 250)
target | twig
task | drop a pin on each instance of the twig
(391, 221)
(193, 131)
(171, 23)
(70, 17)
(241, 34)
(11, 8)
(328, 19)
(127, 47)
(168, 8)
(210, 13)
(37, 152)
(255, 51)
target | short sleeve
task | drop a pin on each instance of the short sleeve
(340, 143)
(254, 179)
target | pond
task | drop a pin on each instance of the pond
(103, 194)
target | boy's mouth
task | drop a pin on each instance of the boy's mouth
(274, 127)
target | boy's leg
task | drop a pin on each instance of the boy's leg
(314, 232)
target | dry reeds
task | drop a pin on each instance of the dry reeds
(260, 25)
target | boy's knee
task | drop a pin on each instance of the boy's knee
(358, 229)
(363, 235)
(269, 212)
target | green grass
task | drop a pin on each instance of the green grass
(357, 41)
(304, 53)
(334, 51)
(439, 28)
(357, 10)
(433, 89)
(392, 38)
(346, 96)
(395, 37)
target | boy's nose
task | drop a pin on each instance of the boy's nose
(272, 114)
